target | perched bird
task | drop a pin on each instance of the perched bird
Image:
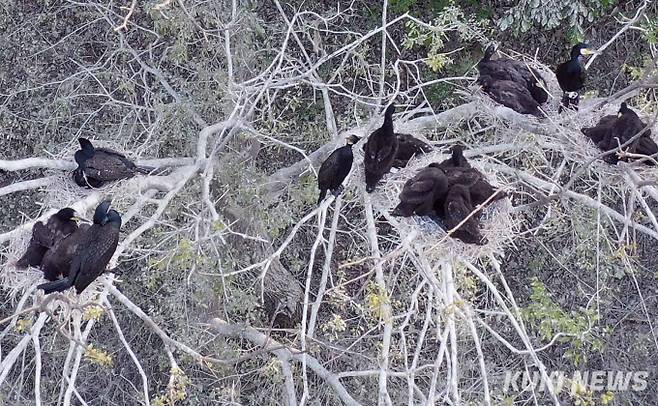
(513, 95)
(613, 131)
(97, 166)
(512, 83)
(57, 260)
(571, 76)
(335, 169)
(380, 151)
(600, 132)
(58, 226)
(459, 172)
(457, 207)
(93, 251)
(421, 191)
(456, 160)
(408, 147)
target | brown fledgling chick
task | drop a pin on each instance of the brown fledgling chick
(380, 151)
(45, 236)
(611, 132)
(457, 207)
(420, 193)
(57, 260)
(408, 147)
(457, 160)
(601, 130)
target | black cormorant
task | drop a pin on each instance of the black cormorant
(97, 166)
(600, 132)
(571, 76)
(57, 260)
(408, 147)
(58, 226)
(380, 151)
(420, 192)
(457, 207)
(513, 95)
(93, 252)
(456, 160)
(335, 169)
(611, 132)
(512, 83)
(459, 172)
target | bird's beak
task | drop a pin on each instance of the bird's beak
(619, 114)
(79, 219)
(587, 51)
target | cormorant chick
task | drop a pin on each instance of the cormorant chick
(599, 133)
(459, 172)
(97, 166)
(57, 260)
(457, 207)
(513, 95)
(93, 252)
(420, 192)
(409, 147)
(58, 226)
(457, 160)
(506, 80)
(335, 169)
(611, 132)
(380, 151)
(571, 76)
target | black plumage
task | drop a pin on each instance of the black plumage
(421, 191)
(93, 252)
(457, 207)
(57, 260)
(600, 131)
(380, 151)
(45, 236)
(408, 147)
(97, 166)
(335, 169)
(611, 132)
(512, 83)
(456, 160)
(453, 190)
(513, 95)
(571, 76)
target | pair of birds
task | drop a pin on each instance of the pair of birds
(612, 132)
(384, 150)
(451, 190)
(516, 85)
(98, 166)
(70, 254)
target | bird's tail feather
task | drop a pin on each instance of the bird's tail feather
(145, 169)
(323, 193)
(57, 286)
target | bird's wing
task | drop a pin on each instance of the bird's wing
(110, 166)
(328, 170)
(94, 254)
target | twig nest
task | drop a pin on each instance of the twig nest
(497, 224)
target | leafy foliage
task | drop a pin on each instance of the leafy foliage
(549, 319)
(452, 20)
(550, 14)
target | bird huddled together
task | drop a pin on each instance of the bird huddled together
(69, 252)
(451, 190)
(516, 85)
(625, 134)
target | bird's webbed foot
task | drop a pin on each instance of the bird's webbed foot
(336, 192)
